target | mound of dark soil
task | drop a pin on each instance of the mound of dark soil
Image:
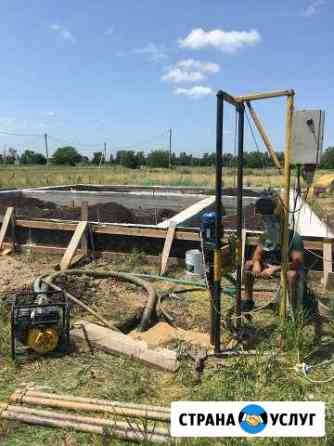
(251, 220)
(233, 191)
(111, 212)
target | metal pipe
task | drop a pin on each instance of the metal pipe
(264, 136)
(286, 202)
(268, 95)
(217, 262)
(241, 116)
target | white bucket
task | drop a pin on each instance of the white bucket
(194, 262)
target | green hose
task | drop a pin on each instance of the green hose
(168, 279)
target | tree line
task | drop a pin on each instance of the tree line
(70, 156)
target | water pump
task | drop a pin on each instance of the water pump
(40, 322)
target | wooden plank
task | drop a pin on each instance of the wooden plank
(47, 224)
(84, 217)
(140, 231)
(114, 342)
(73, 245)
(167, 247)
(7, 251)
(131, 231)
(8, 219)
(327, 260)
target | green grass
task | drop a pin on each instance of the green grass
(239, 378)
(17, 176)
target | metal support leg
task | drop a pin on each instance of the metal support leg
(241, 115)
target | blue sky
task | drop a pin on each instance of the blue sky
(125, 71)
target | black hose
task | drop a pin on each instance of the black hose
(149, 311)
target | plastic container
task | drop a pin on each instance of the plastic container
(194, 262)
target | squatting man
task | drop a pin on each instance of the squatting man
(266, 260)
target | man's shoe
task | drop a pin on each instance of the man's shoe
(247, 306)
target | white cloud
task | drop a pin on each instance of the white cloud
(189, 70)
(55, 27)
(51, 114)
(228, 41)
(195, 92)
(109, 31)
(63, 32)
(313, 8)
(154, 52)
(204, 67)
(178, 75)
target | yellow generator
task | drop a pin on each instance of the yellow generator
(40, 322)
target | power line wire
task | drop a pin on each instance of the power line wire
(3, 132)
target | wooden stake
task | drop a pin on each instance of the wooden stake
(327, 260)
(73, 245)
(286, 202)
(9, 220)
(167, 247)
(84, 217)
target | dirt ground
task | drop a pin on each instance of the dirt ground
(111, 212)
(102, 375)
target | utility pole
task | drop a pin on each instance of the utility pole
(170, 148)
(105, 152)
(46, 149)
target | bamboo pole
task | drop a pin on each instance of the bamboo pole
(125, 412)
(286, 202)
(98, 402)
(96, 421)
(82, 427)
(263, 135)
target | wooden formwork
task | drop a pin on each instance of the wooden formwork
(54, 237)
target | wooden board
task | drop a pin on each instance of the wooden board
(8, 219)
(167, 247)
(327, 260)
(84, 217)
(73, 245)
(113, 342)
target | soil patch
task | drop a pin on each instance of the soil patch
(251, 220)
(114, 300)
(111, 212)
(233, 192)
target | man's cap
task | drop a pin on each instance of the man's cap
(265, 206)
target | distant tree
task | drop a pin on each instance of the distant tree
(85, 161)
(66, 156)
(158, 158)
(141, 158)
(254, 160)
(127, 158)
(11, 156)
(97, 158)
(327, 159)
(31, 157)
(208, 159)
(184, 159)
